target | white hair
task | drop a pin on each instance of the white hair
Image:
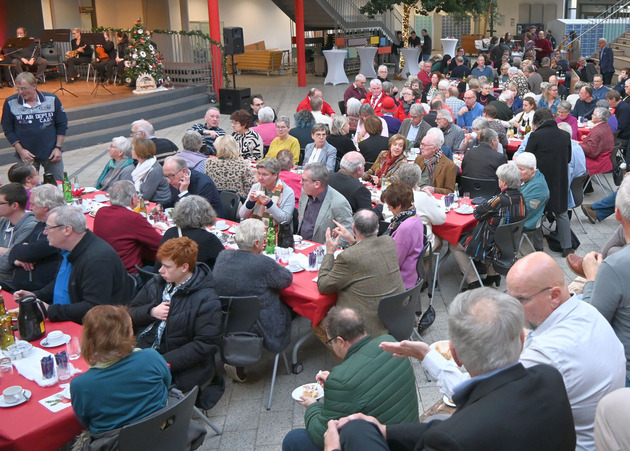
(375, 82)
(526, 159)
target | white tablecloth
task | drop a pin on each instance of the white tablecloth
(336, 74)
(366, 56)
(449, 46)
(411, 56)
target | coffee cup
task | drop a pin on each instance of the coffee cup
(221, 224)
(12, 394)
(54, 337)
(297, 239)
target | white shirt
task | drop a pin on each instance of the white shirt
(315, 155)
(321, 118)
(576, 340)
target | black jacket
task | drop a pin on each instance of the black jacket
(209, 244)
(481, 162)
(164, 148)
(371, 147)
(193, 327)
(201, 185)
(353, 190)
(45, 257)
(343, 144)
(98, 277)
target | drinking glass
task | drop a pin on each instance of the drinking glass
(6, 367)
(465, 199)
(73, 348)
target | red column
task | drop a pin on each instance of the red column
(215, 34)
(299, 41)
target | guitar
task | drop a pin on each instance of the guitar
(101, 53)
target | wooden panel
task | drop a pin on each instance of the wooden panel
(523, 13)
(383, 50)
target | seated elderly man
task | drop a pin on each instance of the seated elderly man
(504, 105)
(375, 96)
(163, 147)
(305, 104)
(438, 172)
(414, 128)
(317, 103)
(585, 105)
(368, 380)
(358, 282)
(120, 166)
(453, 134)
(535, 193)
(36, 262)
(599, 143)
(482, 161)
(128, 232)
(91, 272)
(346, 181)
(210, 131)
(320, 206)
(486, 336)
(470, 111)
(183, 182)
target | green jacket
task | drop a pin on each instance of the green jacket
(370, 381)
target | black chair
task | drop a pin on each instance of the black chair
(244, 311)
(302, 153)
(230, 201)
(145, 276)
(577, 190)
(342, 107)
(166, 429)
(485, 188)
(397, 312)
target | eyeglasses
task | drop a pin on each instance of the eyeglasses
(329, 342)
(23, 88)
(135, 133)
(170, 176)
(427, 145)
(5, 203)
(529, 298)
(48, 228)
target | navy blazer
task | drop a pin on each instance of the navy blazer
(606, 60)
(201, 185)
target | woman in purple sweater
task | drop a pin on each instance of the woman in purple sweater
(406, 229)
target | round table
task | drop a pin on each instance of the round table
(336, 74)
(366, 56)
(448, 46)
(411, 56)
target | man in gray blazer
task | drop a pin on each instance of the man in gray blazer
(320, 205)
(320, 151)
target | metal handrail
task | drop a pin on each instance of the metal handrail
(597, 21)
(348, 16)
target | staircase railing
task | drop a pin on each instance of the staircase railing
(615, 19)
(347, 15)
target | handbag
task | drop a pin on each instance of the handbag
(427, 318)
(240, 348)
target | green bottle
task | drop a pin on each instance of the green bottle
(271, 238)
(67, 188)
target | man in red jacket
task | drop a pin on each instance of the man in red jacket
(128, 232)
(306, 103)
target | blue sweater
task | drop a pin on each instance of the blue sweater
(35, 128)
(108, 398)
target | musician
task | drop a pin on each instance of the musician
(25, 57)
(121, 53)
(80, 54)
(105, 55)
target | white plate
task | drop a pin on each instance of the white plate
(448, 401)
(221, 227)
(89, 189)
(26, 395)
(314, 386)
(65, 339)
(464, 211)
(295, 268)
(101, 198)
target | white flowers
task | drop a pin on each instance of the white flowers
(143, 54)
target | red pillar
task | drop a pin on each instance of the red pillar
(215, 34)
(299, 40)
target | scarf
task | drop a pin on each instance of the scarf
(399, 218)
(140, 172)
(111, 172)
(389, 160)
(260, 211)
(432, 162)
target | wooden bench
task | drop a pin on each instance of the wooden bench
(258, 58)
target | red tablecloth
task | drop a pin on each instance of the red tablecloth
(31, 426)
(582, 132)
(454, 226)
(513, 145)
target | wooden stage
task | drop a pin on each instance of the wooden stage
(82, 89)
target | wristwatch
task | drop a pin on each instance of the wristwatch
(58, 147)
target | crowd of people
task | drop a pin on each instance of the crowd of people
(445, 125)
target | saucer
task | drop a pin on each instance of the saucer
(64, 339)
(89, 189)
(26, 395)
(221, 227)
(295, 268)
(101, 198)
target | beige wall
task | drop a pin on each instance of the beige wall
(117, 13)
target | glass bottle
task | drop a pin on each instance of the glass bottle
(7, 338)
(67, 188)
(271, 238)
(142, 208)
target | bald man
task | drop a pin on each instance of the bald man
(566, 333)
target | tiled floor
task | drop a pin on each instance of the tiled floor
(242, 413)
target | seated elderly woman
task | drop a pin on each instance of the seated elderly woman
(408, 99)
(504, 208)
(320, 151)
(148, 176)
(262, 277)
(361, 134)
(406, 229)
(372, 146)
(283, 140)
(338, 137)
(228, 170)
(549, 97)
(535, 193)
(270, 197)
(599, 143)
(304, 120)
(120, 165)
(121, 385)
(250, 144)
(179, 314)
(353, 109)
(192, 215)
(564, 115)
(192, 142)
(388, 162)
(266, 128)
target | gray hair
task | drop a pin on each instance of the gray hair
(602, 113)
(622, 202)
(388, 86)
(488, 135)
(439, 134)
(180, 163)
(353, 106)
(316, 103)
(411, 174)
(68, 215)
(352, 161)
(123, 145)
(121, 193)
(564, 106)
(144, 126)
(265, 114)
(566, 127)
(416, 108)
(528, 68)
(526, 159)
(485, 327)
(270, 164)
(444, 84)
(319, 173)
(445, 114)
(338, 123)
(192, 140)
(248, 232)
(366, 108)
(283, 119)
(193, 212)
(344, 322)
(510, 174)
(365, 222)
(513, 70)
(506, 95)
(359, 77)
(47, 196)
(544, 61)
(480, 123)
(375, 82)
(212, 108)
(602, 40)
(382, 66)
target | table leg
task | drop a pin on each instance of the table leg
(297, 366)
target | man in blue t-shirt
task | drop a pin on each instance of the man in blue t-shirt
(482, 70)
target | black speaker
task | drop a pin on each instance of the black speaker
(234, 99)
(233, 40)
